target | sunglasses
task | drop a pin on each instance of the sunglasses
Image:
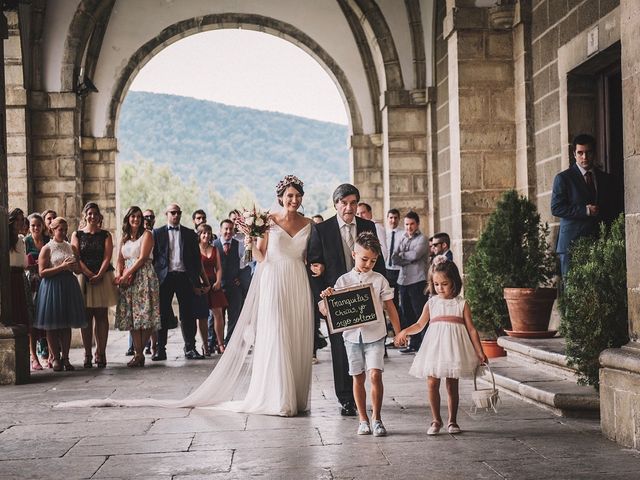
(435, 244)
(175, 212)
(149, 217)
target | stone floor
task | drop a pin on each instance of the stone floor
(521, 441)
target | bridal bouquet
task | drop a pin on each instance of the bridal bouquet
(253, 223)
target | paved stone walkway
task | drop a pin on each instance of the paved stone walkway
(521, 441)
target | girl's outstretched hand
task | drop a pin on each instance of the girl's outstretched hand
(400, 340)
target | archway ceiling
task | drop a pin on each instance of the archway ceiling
(134, 23)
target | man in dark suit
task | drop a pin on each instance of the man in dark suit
(329, 257)
(176, 258)
(440, 244)
(229, 252)
(581, 197)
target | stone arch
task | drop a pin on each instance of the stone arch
(417, 43)
(87, 29)
(254, 22)
(380, 42)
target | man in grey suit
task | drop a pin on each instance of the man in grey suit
(581, 197)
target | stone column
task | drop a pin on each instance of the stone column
(481, 119)
(16, 108)
(404, 123)
(99, 174)
(14, 349)
(620, 372)
(57, 167)
(366, 173)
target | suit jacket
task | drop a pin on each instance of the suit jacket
(190, 253)
(569, 201)
(325, 246)
(230, 262)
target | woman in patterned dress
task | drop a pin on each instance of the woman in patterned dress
(139, 305)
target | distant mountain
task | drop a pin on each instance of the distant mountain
(222, 147)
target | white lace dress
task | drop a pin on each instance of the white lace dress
(276, 325)
(446, 351)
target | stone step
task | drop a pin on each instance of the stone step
(546, 354)
(536, 371)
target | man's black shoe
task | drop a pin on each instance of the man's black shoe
(348, 410)
(407, 350)
(130, 352)
(193, 355)
(159, 355)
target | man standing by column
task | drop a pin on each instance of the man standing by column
(581, 197)
(441, 245)
(176, 258)
(394, 233)
(412, 255)
(329, 256)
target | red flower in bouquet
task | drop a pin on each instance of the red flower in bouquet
(253, 223)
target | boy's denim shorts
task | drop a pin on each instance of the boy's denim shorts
(361, 354)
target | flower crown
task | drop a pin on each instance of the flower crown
(438, 259)
(286, 181)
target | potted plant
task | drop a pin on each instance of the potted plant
(597, 272)
(513, 262)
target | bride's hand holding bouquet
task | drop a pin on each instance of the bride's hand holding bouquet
(253, 223)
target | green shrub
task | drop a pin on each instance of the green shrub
(512, 251)
(593, 304)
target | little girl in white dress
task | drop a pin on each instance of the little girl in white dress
(451, 347)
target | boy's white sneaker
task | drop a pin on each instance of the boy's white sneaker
(378, 429)
(364, 428)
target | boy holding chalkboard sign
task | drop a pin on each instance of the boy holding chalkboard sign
(365, 343)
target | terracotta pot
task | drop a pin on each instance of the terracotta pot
(530, 308)
(492, 349)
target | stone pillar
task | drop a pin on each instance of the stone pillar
(482, 138)
(99, 174)
(620, 372)
(16, 108)
(14, 350)
(57, 167)
(404, 123)
(366, 173)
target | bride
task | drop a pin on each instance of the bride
(276, 320)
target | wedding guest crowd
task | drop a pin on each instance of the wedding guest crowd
(61, 281)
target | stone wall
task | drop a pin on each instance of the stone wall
(16, 108)
(441, 166)
(554, 24)
(99, 177)
(481, 114)
(57, 169)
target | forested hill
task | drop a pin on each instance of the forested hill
(223, 147)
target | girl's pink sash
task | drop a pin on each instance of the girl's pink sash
(449, 319)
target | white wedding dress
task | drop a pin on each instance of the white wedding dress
(266, 367)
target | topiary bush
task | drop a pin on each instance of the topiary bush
(593, 304)
(512, 251)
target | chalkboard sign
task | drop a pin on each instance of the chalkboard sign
(350, 308)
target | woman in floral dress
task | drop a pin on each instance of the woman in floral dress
(139, 305)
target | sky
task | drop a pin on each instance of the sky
(244, 68)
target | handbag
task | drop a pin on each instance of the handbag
(485, 398)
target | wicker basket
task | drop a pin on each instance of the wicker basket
(485, 398)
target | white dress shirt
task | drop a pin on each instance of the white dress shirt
(175, 250)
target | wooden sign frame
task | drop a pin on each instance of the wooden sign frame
(339, 320)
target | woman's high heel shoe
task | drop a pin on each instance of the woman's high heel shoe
(67, 365)
(136, 361)
(101, 361)
(205, 351)
(35, 364)
(87, 361)
(220, 348)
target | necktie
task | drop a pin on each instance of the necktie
(348, 237)
(174, 228)
(588, 177)
(226, 247)
(391, 247)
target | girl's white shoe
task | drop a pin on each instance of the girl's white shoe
(434, 429)
(453, 428)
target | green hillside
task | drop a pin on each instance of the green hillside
(224, 150)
